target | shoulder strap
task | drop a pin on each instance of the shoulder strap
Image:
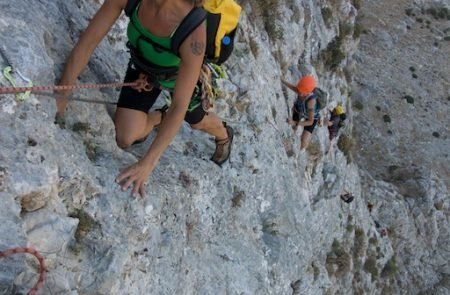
(195, 18)
(130, 7)
(311, 96)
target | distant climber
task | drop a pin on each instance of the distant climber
(381, 230)
(334, 124)
(369, 207)
(347, 197)
(305, 111)
(150, 30)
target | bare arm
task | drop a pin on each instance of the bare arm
(192, 52)
(289, 85)
(91, 37)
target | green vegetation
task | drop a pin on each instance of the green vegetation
(373, 241)
(85, 224)
(185, 179)
(316, 271)
(439, 13)
(357, 105)
(359, 243)
(337, 257)
(409, 99)
(357, 4)
(436, 134)
(31, 142)
(274, 113)
(270, 228)
(387, 119)
(269, 10)
(254, 47)
(370, 266)
(327, 15)
(332, 56)
(345, 144)
(91, 149)
(390, 269)
(81, 127)
(414, 75)
(409, 12)
(345, 30)
(358, 30)
(238, 196)
(439, 205)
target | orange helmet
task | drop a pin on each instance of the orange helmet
(306, 84)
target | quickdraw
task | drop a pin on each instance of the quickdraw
(7, 73)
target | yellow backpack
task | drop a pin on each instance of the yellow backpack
(222, 18)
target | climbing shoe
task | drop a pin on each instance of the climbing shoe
(223, 147)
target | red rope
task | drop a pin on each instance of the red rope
(40, 258)
(8, 89)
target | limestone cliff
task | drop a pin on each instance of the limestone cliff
(268, 222)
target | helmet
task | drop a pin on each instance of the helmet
(339, 110)
(306, 84)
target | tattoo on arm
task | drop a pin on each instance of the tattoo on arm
(197, 48)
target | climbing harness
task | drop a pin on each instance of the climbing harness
(206, 91)
(39, 257)
(9, 70)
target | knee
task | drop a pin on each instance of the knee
(123, 141)
(197, 126)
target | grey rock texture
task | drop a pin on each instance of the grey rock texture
(402, 87)
(268, 222)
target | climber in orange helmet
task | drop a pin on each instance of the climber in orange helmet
(305, 111)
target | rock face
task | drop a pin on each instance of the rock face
(402, 87)
(268, 222)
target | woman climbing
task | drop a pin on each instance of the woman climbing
(305, 111)
(152, 24)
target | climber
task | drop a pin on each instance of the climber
(150, 28)
(334, 123)
(305, 111)
(347, 197)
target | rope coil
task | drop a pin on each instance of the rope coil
(42, 267)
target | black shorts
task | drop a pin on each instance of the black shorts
(310, 129)
(296, 118)
(130, 98)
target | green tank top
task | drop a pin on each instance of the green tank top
(158, 53)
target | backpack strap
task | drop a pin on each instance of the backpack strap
(130, 7)
(316, 105)
(194, 19)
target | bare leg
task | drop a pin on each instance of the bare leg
(212, 124)
(305, 139)
(132, 125)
